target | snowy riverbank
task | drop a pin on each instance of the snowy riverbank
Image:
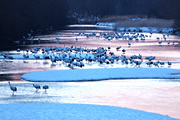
(48, 111)
(112, 26)
(102, 74)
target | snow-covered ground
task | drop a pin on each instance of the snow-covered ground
(46, 111)
(102, 74)
(136, 29)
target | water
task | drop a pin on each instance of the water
(160, 96)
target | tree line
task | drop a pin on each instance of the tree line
(168, 9)
(18, 17)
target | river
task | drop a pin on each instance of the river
(153, 95)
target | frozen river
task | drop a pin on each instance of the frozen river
(159, 96)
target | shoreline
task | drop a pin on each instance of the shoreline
(113, 26)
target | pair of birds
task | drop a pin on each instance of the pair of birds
(14, 89)
(39, 87)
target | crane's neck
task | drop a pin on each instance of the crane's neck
(9, 84)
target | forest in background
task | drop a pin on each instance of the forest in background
(20, 17)
(167, 9)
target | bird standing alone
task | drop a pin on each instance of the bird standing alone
(13, 88)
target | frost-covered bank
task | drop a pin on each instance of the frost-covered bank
(112, 25)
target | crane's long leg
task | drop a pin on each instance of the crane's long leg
(37, 90)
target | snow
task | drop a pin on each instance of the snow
(145, 29)
(106, 24)
(166, 30)
(41, 56)
(139, 19)
(46, 111)
(112, 25)
(102, 74)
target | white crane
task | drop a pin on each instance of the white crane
(76, 39)
(169, 63)
(123, 50)
(129, 44)
(37, 87)
(18, 50)
(117, 48)
(45, 87)
(13, 88)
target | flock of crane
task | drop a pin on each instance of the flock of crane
(78, 56)
(74, 57)
(130, 36)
